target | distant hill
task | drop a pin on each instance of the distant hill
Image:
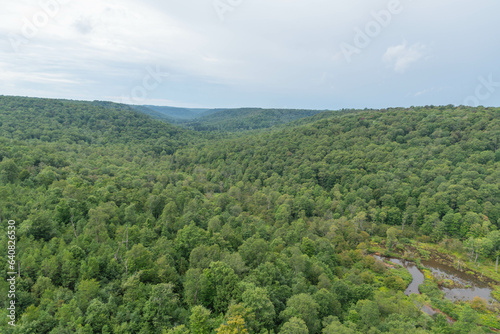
(171, 114)
(155, 114)
(233, 120)
(127, 224)
(229, 120)
(97, 122)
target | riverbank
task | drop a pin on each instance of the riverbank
(435, 288)
(418, 252)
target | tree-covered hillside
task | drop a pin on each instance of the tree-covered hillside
(234, 120)
(177, 114)
(224, 120)
(125, 224)
(93, 123)
(415, 163)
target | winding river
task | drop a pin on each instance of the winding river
(469, 286)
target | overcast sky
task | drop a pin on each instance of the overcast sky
(316, 54)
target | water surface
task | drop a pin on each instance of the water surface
(468, 286)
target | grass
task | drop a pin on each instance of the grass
(489, 314)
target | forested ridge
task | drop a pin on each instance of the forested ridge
(94, 123)
(126, 224)
(173, 114)
(234, 120)
(223, 120)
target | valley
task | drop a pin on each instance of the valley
(250, 220)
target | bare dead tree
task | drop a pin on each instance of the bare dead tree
(127, 238)
(97, 226)
(74, 228)
(124, 241)
(116, 253)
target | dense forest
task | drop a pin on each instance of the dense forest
(221, 120)
(127, 224)
(172, 114)
(234, 120)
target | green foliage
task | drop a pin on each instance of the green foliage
(220, 286)
(303, 306)
(335, 327)
(130, 225)
(97, 315)
(257, 300)
(199, 321)
(369, 313)
(234, 120)
(467, 322)
(163, 307)
(294, 326)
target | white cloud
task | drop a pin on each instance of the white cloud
(422, 92)
(401, 56)
(266, 53)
